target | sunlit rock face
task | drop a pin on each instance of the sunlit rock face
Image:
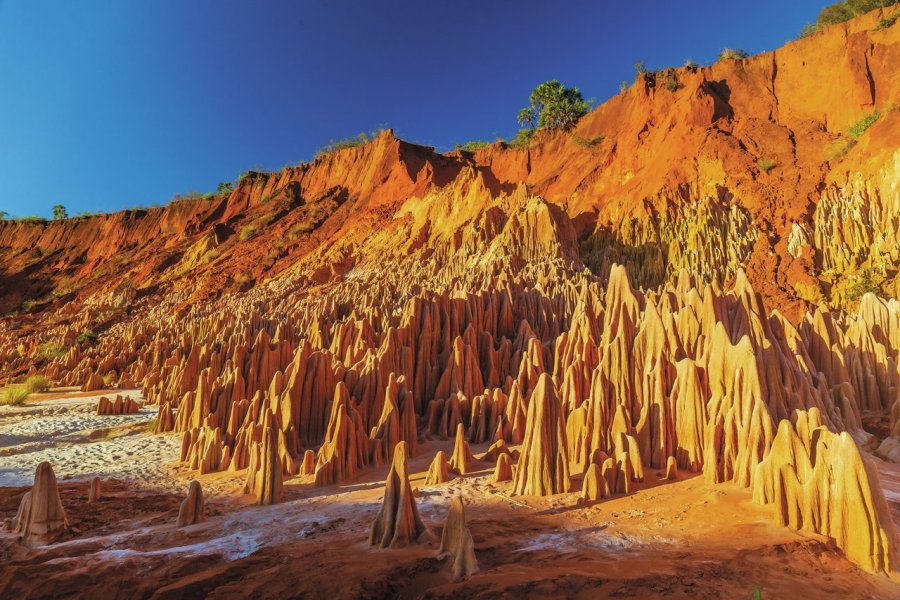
(659, 298)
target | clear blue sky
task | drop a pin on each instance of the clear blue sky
(111, 104)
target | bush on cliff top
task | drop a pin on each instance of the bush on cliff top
(554, 106)
(840, 12)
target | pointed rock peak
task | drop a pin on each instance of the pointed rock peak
(192, 508)
(543, 465)
(398, 523)
(41, 517)
(456, 541)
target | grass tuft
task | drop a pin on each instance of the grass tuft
(37, 384)
(766, 164)
(14, 395)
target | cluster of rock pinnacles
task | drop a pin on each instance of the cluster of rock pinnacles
(606, 380)
(41, 518)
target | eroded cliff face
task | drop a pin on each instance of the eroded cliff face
(603, 302)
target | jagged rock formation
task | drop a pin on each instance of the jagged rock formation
(439, 471)
(95, 492)
(818, 481)
(456, 541)
(462, 459)
(41, 516)
(503, 471)
(192, 508)
(543, 466)
(264, 473)
(537, 296)
(398, 523)
(119, 406)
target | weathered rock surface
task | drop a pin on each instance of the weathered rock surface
(41, 516)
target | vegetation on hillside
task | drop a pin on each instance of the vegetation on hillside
(839, 12)
(554, 106)
(350, 142)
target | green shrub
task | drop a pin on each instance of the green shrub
(350, 142)
(846, 10)
(37, 383)
(860, 127)
(14, 395)
(523, 138)
(623, 86)
(888, 22)
(670, 79)
(690, 64)
(588, 142)
(766, 164)
(32, 219)
(86, 337)
(59, 212)
(247, 232)
(809, 29)
(50, 350)
(733, 54)
(554, 106)
(865, 283)
(473, 146)
(225, 188)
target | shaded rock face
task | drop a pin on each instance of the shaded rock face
(192, 508)
(41, 516)
(610, 307)
(456, 541)
(398, 523)
(819, 481)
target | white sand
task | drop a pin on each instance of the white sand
(59, 430)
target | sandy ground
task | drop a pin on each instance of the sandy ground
(80, 444)
(681, 539)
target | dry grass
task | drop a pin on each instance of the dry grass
(37, 384)
(14, 395)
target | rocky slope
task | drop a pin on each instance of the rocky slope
(676, 284)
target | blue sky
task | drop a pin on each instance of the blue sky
(106, 105)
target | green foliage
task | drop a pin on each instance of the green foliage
(809, 29)
(839, 149)
(31, 219)
(3, 214)
(888, 22)
(766, 164)
(50, 350)
(523, 138)
(350, 142)
(473, 146)
(188, 197)
(588, 142)
(59, 212)
(733, 54)
(640, 68)
(623, 86)
(554, 106)
(37, 384)
(86, 337)
(670, 79)
(865, 283)
(690, 64)
(14, 395)
(247, 232)
(757, 593)
(860, 127)
(840, 12)
(225, 188)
